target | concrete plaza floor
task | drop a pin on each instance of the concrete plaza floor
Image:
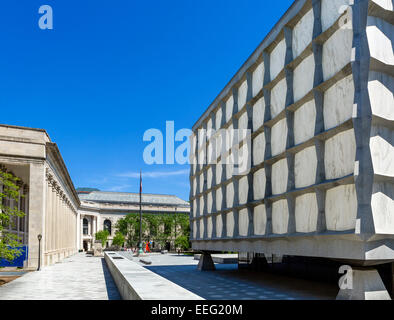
(229, 283)
(79, 277)
(83, 277)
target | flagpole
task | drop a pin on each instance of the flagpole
(140, 246)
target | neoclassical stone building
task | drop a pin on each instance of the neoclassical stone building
(66, 220)
(102, 210)
(50, 200)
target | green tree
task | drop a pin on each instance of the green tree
(102, 236)
(153, 224)
(157, 227)
(118, 240)
(129, 226)
(9, 243)
(182, 242)
(183, 220)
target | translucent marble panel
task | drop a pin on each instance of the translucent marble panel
(337, 52)
(194, 229)
(278, 56)
(279, 177)
(305, 122)
(382, 150)
(259, 184)
(209, 227)
(259, 149)
(219, 172)
(243, 190)
(303, 33)
(209, 178)
(280, 217)
(258, 114)
(338, 103)
(243, 160)
(195, 208)
(278, 98)
(194, 162)
(331, 10)
(230, 195)
(380, 89)
(259, 220)
(230, 224)
(209, 203)
(219, 226)
(380, 37)
(218, 118)
(201, 179)
(202, 228)
(229, 166)
(194, 190)
(305, 167)
(341, 208)
(385, 4)
(202, 205)
(229, 108)
(242, 95)
(229, 137)
(218, 143)
(211, 152)
(219, 199)
(279, 137)
(243, 121)
(306, 212)
(340, 155)
(304, 77)
(209, 125)
(243, 221)
(258, 79)
(383, 208)
(202, 157)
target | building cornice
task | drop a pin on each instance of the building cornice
(60, 169)
(26, 128)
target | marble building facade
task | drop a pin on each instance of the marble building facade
(317, 99)
(50, 201)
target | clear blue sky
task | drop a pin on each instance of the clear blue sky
(110, 70)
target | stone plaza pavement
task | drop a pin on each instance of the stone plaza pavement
(230, 283)
(79, 277)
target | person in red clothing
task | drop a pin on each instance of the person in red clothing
(147, 247)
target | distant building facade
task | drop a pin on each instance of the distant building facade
(66, 220)
(102, 210)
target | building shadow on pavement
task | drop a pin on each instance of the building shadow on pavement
(112, 290)
(230, 283)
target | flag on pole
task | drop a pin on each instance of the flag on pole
(140, 251)
(140, 182)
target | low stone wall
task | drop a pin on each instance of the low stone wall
(124, 287)
(134, 282)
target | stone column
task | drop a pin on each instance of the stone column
(94, 227)
(81, 230)
(99, 223)
(53, 217)
(78, 245)
(47, 215)
(36, 213)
